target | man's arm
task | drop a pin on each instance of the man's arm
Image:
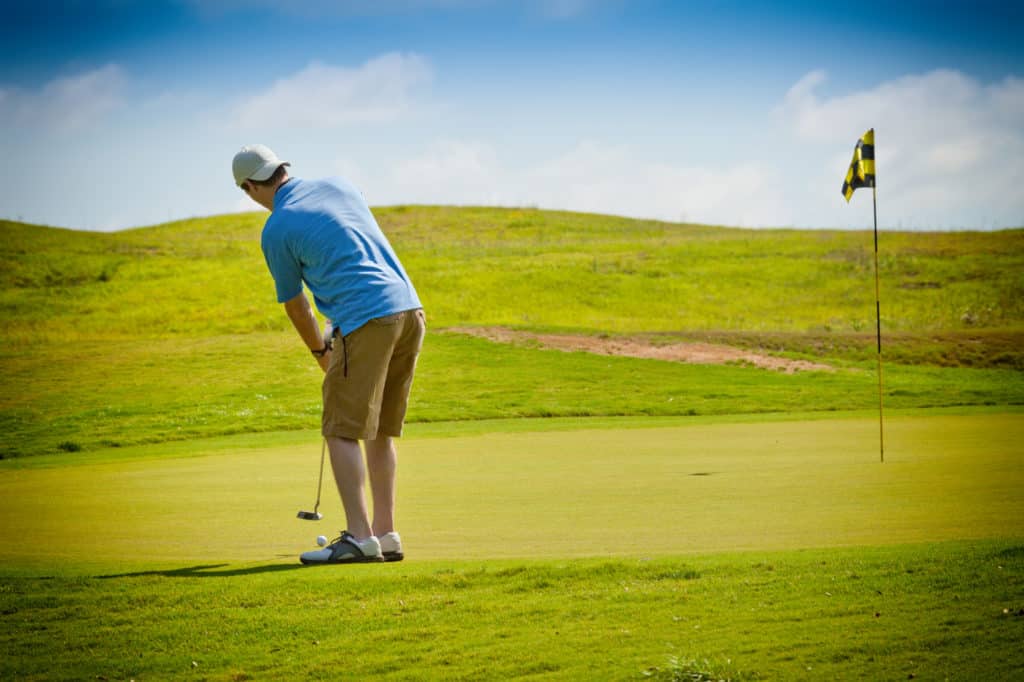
(302, 317)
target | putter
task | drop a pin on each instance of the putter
(316, 515)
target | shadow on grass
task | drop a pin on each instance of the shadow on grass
(207, 571)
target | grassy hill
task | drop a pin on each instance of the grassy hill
(526, 268)
(173, 332)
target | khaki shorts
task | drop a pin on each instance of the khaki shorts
(366, 389)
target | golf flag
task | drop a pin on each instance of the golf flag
(862, 168)
(862, 174)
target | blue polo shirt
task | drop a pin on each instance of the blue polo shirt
(321, 232)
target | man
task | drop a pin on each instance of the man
(321, 233)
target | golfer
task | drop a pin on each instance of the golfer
(321, 233)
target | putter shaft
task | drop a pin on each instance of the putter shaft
(315, 515)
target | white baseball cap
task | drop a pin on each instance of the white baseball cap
(255, 162)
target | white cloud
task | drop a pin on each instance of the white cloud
(65, 104)
(617, 179)
(950, 154)
(324, 96)
(461, 172)
(950, 151)
(592, 177)
(947, 146)
(1008, 100)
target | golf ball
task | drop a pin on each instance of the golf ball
(321, 540)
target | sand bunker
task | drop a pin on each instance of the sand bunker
(637, 347)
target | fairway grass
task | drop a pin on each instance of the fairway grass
(602, 492)
(937, 611)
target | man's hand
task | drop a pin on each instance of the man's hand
(325, 361)
(304, 321)
(328, 337)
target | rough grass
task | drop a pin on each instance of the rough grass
(524, 268)
(172, 332)
(98, 394)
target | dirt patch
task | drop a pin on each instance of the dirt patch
(637, 347)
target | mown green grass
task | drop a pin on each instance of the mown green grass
(779, 550)
(938, 611)
(648, 490)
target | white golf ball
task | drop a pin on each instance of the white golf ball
(321, 540)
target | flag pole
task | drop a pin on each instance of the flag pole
(878, 328)
(862, 174)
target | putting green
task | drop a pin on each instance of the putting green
(631, 492)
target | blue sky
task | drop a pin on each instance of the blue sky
(121, 113)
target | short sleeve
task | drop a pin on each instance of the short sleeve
(283, 266)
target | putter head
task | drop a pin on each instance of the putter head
(310, 516)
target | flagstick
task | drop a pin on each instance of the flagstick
(878, 327)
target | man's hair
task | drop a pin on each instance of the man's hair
(281, 171)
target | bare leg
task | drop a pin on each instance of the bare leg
(350, 476)
(382, 461)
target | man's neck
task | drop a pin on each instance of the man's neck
(278, 186)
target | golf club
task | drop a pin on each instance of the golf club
(316, 515)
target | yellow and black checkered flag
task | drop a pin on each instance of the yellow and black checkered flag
(862, 168)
